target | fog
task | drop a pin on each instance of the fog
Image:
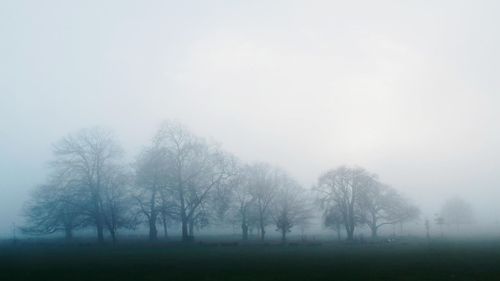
(407, 91)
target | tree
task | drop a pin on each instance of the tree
(405, 211)
(53, 208)
(342, 188)
(167, 210)
(117, 201)
(427, 229)
(263, 186)
(332, 218)
(244, 201)
(86, 157)
(225, 197)
(383, 205)
(456, 212)
(150, 194)
(290, 206)
(195, 167)
(439, 220)
(243, 209)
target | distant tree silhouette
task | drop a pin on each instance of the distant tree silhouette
(194, 169)
(290, 206)
(89, 157)
(150, 182)
(263, 188)
(383, 205)
(53, 207)
(332, 218)
(342, 188)
(456, 211)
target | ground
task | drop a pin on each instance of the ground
(405, 259)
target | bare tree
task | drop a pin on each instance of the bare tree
(342, 188)
(332, 218)
(195, 167)
(86, 157)
(263, 187)
(167, 210)
(290, 206)
(243, 199)
(54, 208)
(439, 220)
(117, 201)
(405, 212)
(427, 229)
(223, 205)
(150, 170)
(383, 205)
(456, 212)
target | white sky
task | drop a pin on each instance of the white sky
(407, 89)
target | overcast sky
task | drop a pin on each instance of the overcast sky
(406, 89)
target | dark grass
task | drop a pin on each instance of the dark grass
(410, 260)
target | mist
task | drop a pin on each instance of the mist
(408, 92)
(256, 132)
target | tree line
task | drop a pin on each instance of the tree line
(181, 178)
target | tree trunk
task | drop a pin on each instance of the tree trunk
(165, 227)
(283, 235)
(191, 230)
(244, 230)
(373, 225)
(262, 231)
(350, 221)
(112, 232)
(100, 231)
(184, 217)
(374, 231)
(68, 233)
(350, 233)
(99, 220)
(153, 232)
(98, 212)
(185, 234)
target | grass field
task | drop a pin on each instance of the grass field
(403, 260)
